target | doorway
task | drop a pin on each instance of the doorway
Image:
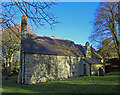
(84, 69)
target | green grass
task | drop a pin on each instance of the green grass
(85, 84)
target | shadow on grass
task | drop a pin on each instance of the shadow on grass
(10, 86)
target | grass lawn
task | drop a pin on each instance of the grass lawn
(85, 84)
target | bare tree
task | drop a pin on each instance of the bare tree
(11, 44)
(37, 13)
(106, 24)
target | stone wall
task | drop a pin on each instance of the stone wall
(42, 68)
(38, 68)
(87, 68)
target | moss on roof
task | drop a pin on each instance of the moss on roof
(53, 46)
(92, 61)
(50, 45)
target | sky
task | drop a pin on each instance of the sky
(75, 21)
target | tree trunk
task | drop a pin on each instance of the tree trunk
(8, 68)
(115, 36)
(8, 65)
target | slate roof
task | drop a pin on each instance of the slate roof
(81, 48)
(50, 45)
(94, 53)
(54, 46)
(92, 61)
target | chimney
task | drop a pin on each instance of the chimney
(23, 26)
(22, 56)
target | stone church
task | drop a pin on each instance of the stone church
(48, 58)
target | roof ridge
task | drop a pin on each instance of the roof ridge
(80, 45)
(52, 37)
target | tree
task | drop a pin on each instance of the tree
(11, 45)
(108, 50)
(106, 24)
(37, 13)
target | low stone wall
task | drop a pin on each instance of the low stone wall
(42, 68)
